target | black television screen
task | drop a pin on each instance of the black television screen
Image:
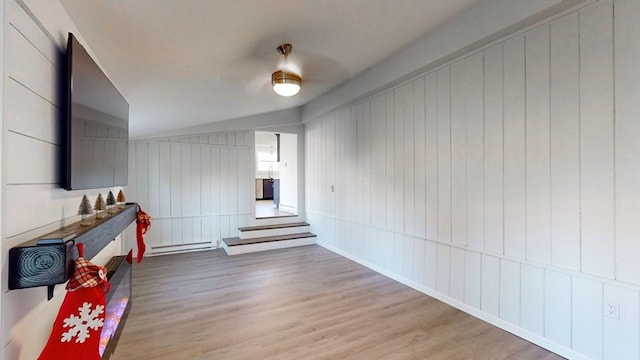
(97, 125)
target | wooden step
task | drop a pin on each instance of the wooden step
(272, 226)
(265, 231)
(236, 245)
(235, 241)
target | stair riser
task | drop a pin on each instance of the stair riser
(278, 220)
(273, 232)
(282, 244)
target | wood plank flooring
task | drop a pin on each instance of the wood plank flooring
(299, 303)
(267, 209)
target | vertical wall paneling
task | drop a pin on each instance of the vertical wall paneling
(493, 150)
(621, 332)
(459, 91)
(444, 156)
(313, 166)
(378, 168)
(166, 226)
(532, 299)
(175, 180)
(420, 168)
(537, 145)
(399, 161)
(557, 321)
(196, 192)
(352, 168)
(490, 288)
(196, 178)
(431, 156)
(431, 265)
(328, 156)
(443, 268)
(399, 265)
(565, 142)
(418, 253)
(187, 231)
(153, 181)
(345, 205)
(367, 149)
(357, 119)
(510, 291)
(324, 182)
(176, 232)
(596, 139)
(225, 178)
(216, 180)
(164, 180)
(472, 279)
(586, 316)
(407, 258)
(408, 139)
(318, 194)
(232, 178)
(186, 180)
(457, 274)
(310, 168)
(389, 161)
(475, 150)
(387, 248)
(205, 180)
(627, 147)
(153, 165)
(142, 174)
(514, 149)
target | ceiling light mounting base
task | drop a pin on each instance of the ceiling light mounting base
(284, 49)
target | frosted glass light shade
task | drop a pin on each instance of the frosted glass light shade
(285, 84)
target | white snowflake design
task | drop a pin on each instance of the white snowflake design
(80, 325)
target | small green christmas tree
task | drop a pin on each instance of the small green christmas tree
(111, 200)
(100, 206)
(84, 210)
(121, 199)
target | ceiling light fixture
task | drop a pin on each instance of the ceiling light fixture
(285, 83)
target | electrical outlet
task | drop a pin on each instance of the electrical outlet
(612, 310)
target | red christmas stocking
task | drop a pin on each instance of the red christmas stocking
(143, 223)
(76, 331)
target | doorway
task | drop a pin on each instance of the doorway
(276, 174)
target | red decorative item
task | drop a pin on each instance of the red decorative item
(76, 330)
(143, 223)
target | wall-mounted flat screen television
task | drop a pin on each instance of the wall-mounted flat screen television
(96, 125)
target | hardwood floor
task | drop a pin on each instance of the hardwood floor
(267, 209)
(299, 303)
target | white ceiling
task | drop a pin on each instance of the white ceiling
(183, 63)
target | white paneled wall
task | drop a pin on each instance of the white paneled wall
(504, 182)
(33, 203)
(196, 189)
